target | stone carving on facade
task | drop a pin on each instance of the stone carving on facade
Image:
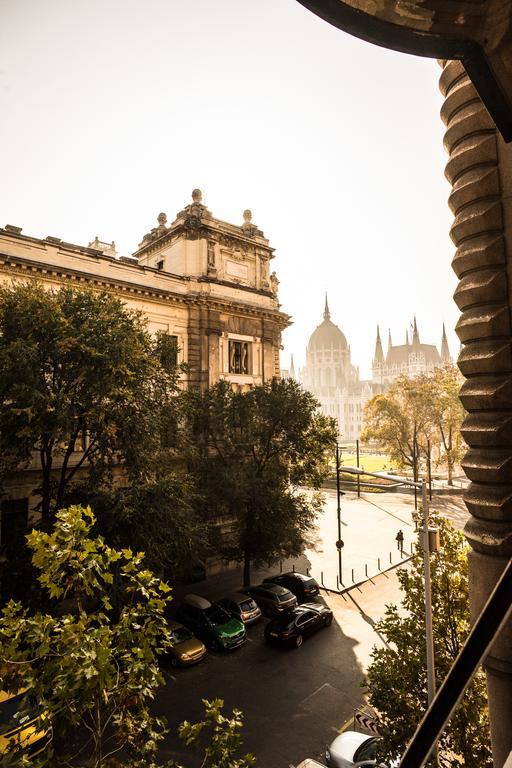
(157, 232)
(248, 228)
(274, 283)
(195, 215)
(211, 258)
(479, 170)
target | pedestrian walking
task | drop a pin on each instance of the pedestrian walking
(400, 540)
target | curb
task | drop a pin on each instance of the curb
(364, 581)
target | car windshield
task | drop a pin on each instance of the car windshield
(285, 597)
(311, 583)
(180, 634)
(247, 605)
(217, 615)
(367, 751)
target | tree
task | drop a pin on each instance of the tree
(445, 414)
(224, 737)
(94, 668)
(396, 678)
(397, 420)
(82, 386)
(416, 414)
(159, 517)
(249, 453)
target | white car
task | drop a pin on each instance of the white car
(353, 750)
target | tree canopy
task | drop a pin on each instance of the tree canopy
(249, 452)
(397, 680)
(92, 662)
(416, 415)
(82, 385)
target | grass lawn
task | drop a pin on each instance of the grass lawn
(372, 462)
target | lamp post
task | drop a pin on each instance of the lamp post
(339, 543)
(429, 638)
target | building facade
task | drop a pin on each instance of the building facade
(409, 359)
(203, 281)
(330, 375)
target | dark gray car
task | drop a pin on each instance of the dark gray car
(273, 599)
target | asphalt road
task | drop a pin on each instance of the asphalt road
(294, 700)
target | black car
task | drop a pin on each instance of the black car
(293, 627)
(241, 607)
(272, 598)
(303, 587)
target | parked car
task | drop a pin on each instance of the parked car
(241, 607)
(211, 623)
(186, 648)
(351, 749)
(22, 723)
(302, 586)
(310, 763)
(272, 598)
(302, 621)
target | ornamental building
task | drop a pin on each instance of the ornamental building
(203, 281)
(330, 375)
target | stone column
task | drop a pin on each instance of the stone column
(480, 171)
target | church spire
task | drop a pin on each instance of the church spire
(390, 343)
(379, 355)
(327, 314)
(445, 350)
(292, 369)
(415, 335)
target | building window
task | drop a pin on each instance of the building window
(239, 356)
(160, 264)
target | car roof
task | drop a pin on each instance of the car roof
(237, 597)
(347, 743)
(173, 624)
(297, 575)
(310, 763)
(277, 589)
(197, 602)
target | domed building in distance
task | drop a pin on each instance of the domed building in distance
(330, 375)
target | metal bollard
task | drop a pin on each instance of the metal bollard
(366, 570)
(390, 559)
(353, 580)
(337, 584)
(322, 578)
(378, 563)
(293, 567)
(307, 571)
(280, 566)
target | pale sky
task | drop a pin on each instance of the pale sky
(114, 110)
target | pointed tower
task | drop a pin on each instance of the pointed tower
(378, 359)
(445, 350)
(415, 334)
(406, 337)
(390, 343)
(292, 368)
(327, 314)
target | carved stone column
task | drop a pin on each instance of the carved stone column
(480, 171)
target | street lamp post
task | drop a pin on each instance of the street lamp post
(339, 543)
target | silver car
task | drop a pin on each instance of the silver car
(241, 606)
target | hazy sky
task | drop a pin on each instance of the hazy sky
(114, 110)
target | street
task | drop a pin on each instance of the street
(295, 701)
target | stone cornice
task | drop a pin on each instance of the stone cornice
(20, 266)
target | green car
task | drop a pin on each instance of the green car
(211, 623)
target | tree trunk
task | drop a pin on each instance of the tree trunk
(247, 569)
(449, 464)
(46, 492)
